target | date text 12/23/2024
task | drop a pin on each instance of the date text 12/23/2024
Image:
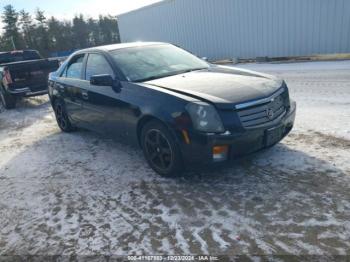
(173, 258)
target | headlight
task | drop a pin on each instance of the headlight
(205, 117)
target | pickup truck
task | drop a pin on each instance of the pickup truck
(23, 74)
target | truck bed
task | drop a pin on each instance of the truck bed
(29, 77)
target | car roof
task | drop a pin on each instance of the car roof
(108, 48)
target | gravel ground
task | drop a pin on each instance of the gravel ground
(84, 194)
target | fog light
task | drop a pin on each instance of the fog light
(220, 153)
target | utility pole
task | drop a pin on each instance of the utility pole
(13, 43)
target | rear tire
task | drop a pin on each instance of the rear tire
(8, 100)
(62, 117)
(161, 149)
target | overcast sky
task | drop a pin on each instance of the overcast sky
(66, 9)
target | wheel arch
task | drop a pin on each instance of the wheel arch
(53, 100)
(148, 118)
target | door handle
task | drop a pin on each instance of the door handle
(59, 86)
(85, 95)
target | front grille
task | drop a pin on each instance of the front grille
(266, 111)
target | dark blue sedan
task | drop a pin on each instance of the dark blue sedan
(181, 110)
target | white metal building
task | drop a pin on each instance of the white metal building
(221, 29)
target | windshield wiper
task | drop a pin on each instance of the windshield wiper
(151, 78)
(191, 70)
(170, 74)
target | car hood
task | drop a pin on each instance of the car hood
(221, 85)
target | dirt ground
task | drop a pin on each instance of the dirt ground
(84, 194)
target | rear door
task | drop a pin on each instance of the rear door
(102, 104)
(71, 80)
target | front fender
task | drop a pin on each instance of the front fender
(146, 103)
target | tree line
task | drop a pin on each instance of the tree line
(21, 30)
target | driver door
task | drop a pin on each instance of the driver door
(102, 105)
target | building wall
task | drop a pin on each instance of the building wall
(221, 29)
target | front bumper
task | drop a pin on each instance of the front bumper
(199, 151)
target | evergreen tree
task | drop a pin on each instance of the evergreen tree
(80, 31)
(68, 35)
(94, 32)
(54, 33)
(26, 27)
(40, 17)
(41, 35)
(51, 35)
(12, 38)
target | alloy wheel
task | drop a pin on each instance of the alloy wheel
(61, 116)
(158, 149)
(2, 98)
(2, 102)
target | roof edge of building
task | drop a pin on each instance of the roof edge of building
(161, 2)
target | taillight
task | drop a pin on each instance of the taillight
(7, 77)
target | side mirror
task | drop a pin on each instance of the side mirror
(205, 58)
(102, 80)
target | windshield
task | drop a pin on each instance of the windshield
(152, 62)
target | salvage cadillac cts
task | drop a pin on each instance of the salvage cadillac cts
(181, 110)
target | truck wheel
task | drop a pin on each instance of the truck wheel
(161, 150)
(8, 100)
(62, 118)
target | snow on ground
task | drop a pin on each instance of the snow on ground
(84, 194)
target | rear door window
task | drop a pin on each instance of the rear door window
(74, 68)
(97, 65)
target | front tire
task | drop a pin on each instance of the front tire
(62, 117)
(161, 150)
(8, 100)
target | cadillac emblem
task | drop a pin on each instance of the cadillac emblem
(269, 113)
